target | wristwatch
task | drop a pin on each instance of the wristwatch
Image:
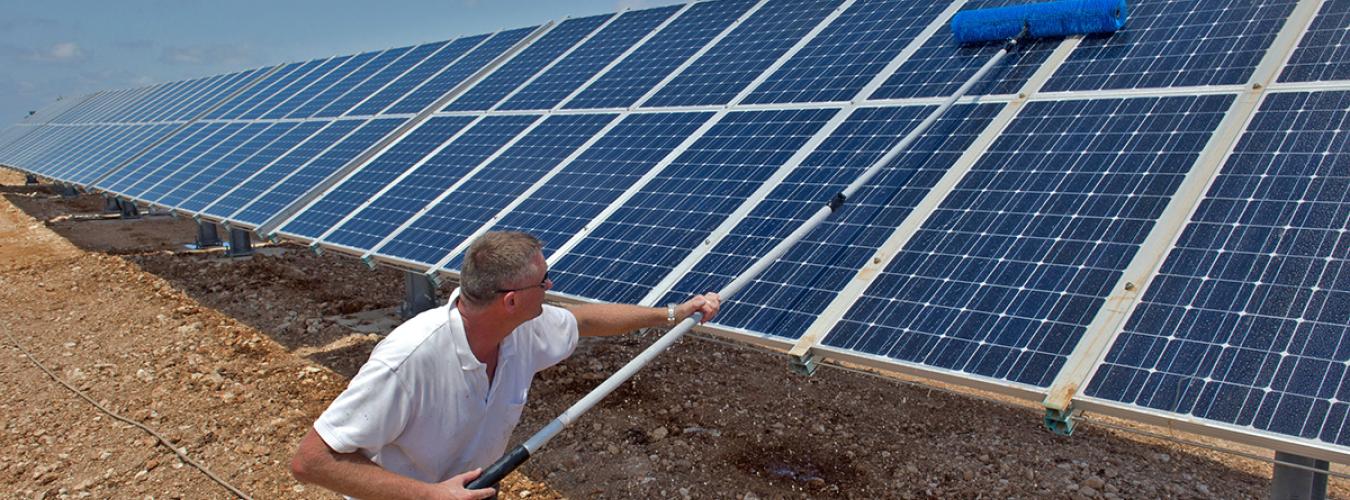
(670, 313)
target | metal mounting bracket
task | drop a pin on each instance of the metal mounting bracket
(1062, 422)
(806, 364)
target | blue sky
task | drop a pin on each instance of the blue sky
(64, 48)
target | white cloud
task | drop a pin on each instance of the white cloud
(64, 51)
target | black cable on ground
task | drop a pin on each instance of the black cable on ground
(162, 440)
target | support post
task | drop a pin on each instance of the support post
(207, 236)
(30, 179)
(69, 191)
(421, 294)
(128, 209)
(1297, 483)
(111, 205)
(241, 243)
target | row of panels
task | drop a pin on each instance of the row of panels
(995, 250)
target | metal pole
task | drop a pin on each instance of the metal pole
(129, 209)
(241, 243)
(420, 294)
(30, 179)
(207, 236)
(1298, 483)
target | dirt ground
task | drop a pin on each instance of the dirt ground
(232, 359)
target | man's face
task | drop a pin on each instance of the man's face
(530, 295)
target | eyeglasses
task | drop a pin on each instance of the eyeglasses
(542, 284)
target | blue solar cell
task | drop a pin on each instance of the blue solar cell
(184, 98)
(724, 71)
(304, 179)
(285, 89)
(204, 102)
(428, 180)
(795, 290)
(318, 81)
(368, 87)
(187, 157)
(471, 63)
(372, 63)
(571, 199)
(241, 103)
(625, 83)
(179, 172)
(849, 53)
(340, 201)
(273, 172)
(581, 64)
(1324, 52)
(941, 66)
(1171, 43)
(181, 191)
(640, 242)
(492, 88)
(71, 153)
(236, 174)
(497, 184)
(1248, 320)
(433, 64)
(1004, 276)
(139, 138)
(152, 159)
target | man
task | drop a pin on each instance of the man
(438, 398)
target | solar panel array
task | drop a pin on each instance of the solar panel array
(1151, 224)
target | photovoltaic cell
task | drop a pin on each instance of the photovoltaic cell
(177, 174)
(451, 221)
(187, 154)
(427, 181)
(376, 61)
(239, 173)
(591, 182)
(332, 71)
(579, 66)
(849, 53)
(205, 176)
(632, 78)
(1176, 43)
(1324, 52)
(375, 82)
(437, 86)
(941, 66)
(293, 83)
(640, 242)
(152, 159)
(1246, 322)
(795, 290)
(245, 101)
(139, 138)
(1004, 276)
(492, 88)
(340, 201)
(315, 171)
(418, 74)
(723, 72)
(273, 172)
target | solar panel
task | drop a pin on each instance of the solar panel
(1324, 52)
(297, 80)
(200, 178)
(373, 63)
(723, 72)
(1173, 43)
(569, 73)
(632, 78)
(379, 172)
(472, 62)
(331, 72)
(155, 157)
(246, 169)
(1246, 321)
(263, 180)
(298, 182)
(245, 101)
(186, 156)
(1002, 278)
(450, 220)
(433, 64)
(210, 153)
(630, 251)
(429, 178)
(404, 60)
(492, 88)
(849, 53)
(137, 139)
(564, 205)
(796, 289)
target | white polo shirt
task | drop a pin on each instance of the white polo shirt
(422, 405)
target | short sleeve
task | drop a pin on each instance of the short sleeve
(553, 337)
(371, 413)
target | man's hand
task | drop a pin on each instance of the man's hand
(708, 304)
(454, 487)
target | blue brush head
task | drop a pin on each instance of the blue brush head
(1042, 20)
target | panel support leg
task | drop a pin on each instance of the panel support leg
(30, 179)
(111, 205)
(1062, 422)
(805, 364)
(128, 209)
(68, 191)
(207, 236)
(241, 243)
(1297, 483)
(421, 294)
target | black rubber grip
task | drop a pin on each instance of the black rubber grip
(499, 469)
(837, 201)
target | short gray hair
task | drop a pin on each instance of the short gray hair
(495, 261)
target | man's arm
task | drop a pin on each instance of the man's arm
(354, 475)
(598, 320)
